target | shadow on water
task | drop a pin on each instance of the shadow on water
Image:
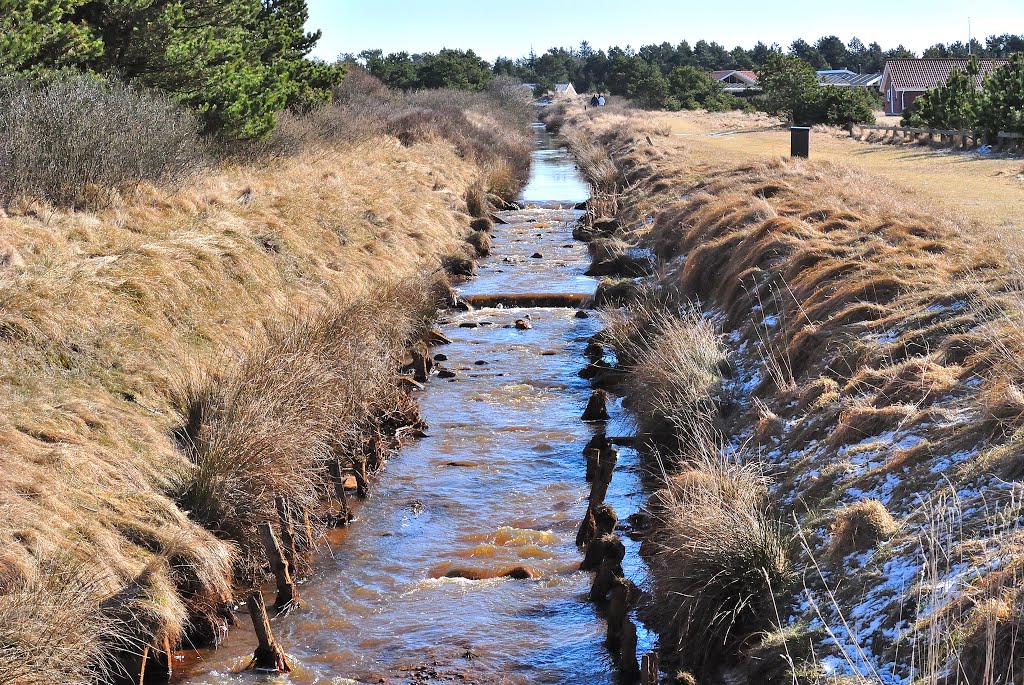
(497, 484)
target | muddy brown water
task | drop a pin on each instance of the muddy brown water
(498, 483)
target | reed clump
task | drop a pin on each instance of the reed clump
(719, 563)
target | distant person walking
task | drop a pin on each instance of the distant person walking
(600, 101)
(594, 101)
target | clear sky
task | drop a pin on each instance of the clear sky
(510, 27)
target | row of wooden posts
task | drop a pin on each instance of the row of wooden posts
(604, 553)
(283, 557)
(1004, 141)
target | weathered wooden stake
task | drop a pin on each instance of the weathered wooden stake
(597, 406)
(268, 655)
(618, 606)
(610, 570)
(359, 467)
(629, 669)
(649, 669)
(286, 592)
(603, 476)
(604, 524)
(588, 527)
(159, 662)
(344, 516)
(284, 517)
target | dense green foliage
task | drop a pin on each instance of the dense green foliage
(665, 76)
(237, 63)
(959, 104)
(791, 89)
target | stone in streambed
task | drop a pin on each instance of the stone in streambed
(523, 325)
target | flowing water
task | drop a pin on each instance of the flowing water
(497, 484)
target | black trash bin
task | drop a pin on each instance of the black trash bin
(800, 141)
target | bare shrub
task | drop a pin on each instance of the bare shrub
(75, 140)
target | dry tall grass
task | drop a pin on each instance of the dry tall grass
(875, 351)
(180, 356)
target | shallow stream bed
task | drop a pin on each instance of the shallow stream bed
(497, 484)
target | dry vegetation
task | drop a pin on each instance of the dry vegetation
(176, 357)
(873, 372)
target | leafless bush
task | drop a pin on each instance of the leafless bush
(490, 128)
(75, 140)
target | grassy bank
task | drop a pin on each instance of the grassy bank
(829, 376)
(175, 356)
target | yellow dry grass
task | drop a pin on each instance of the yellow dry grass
(987, 190)
(876, 346)
(103, 315)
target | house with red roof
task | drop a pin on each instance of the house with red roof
(735, 81)
(905, 80)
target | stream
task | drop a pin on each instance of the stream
(497, 484)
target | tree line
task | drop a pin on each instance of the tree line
(236, 63)
(617, 68)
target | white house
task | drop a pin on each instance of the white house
(565, 90)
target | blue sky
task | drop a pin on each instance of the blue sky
(511, 27)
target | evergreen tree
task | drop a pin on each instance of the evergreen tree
(833, 51)
(36, 35)
(1001, 104)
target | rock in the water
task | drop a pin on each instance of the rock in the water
(582, 314)
(469, 324)
(440, 357)
(446, 373)
(523, 325)
(536, 255)
(480, 362)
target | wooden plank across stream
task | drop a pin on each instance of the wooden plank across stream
(573, 300)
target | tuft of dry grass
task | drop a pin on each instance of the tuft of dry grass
(861, 526)
(673, 367)
(718, 562)
(52, 626)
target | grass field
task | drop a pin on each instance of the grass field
(986, 190)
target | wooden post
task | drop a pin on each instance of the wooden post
(286, 592)
(618, 607)
(359, 467)
(268, 655)
(344, 516)
(603, 477)
(629, 669)
(611, 568)
(160, 662)
(604, 524)
(649, 669)
(592, 452)
(284, 517)
(597, 406)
